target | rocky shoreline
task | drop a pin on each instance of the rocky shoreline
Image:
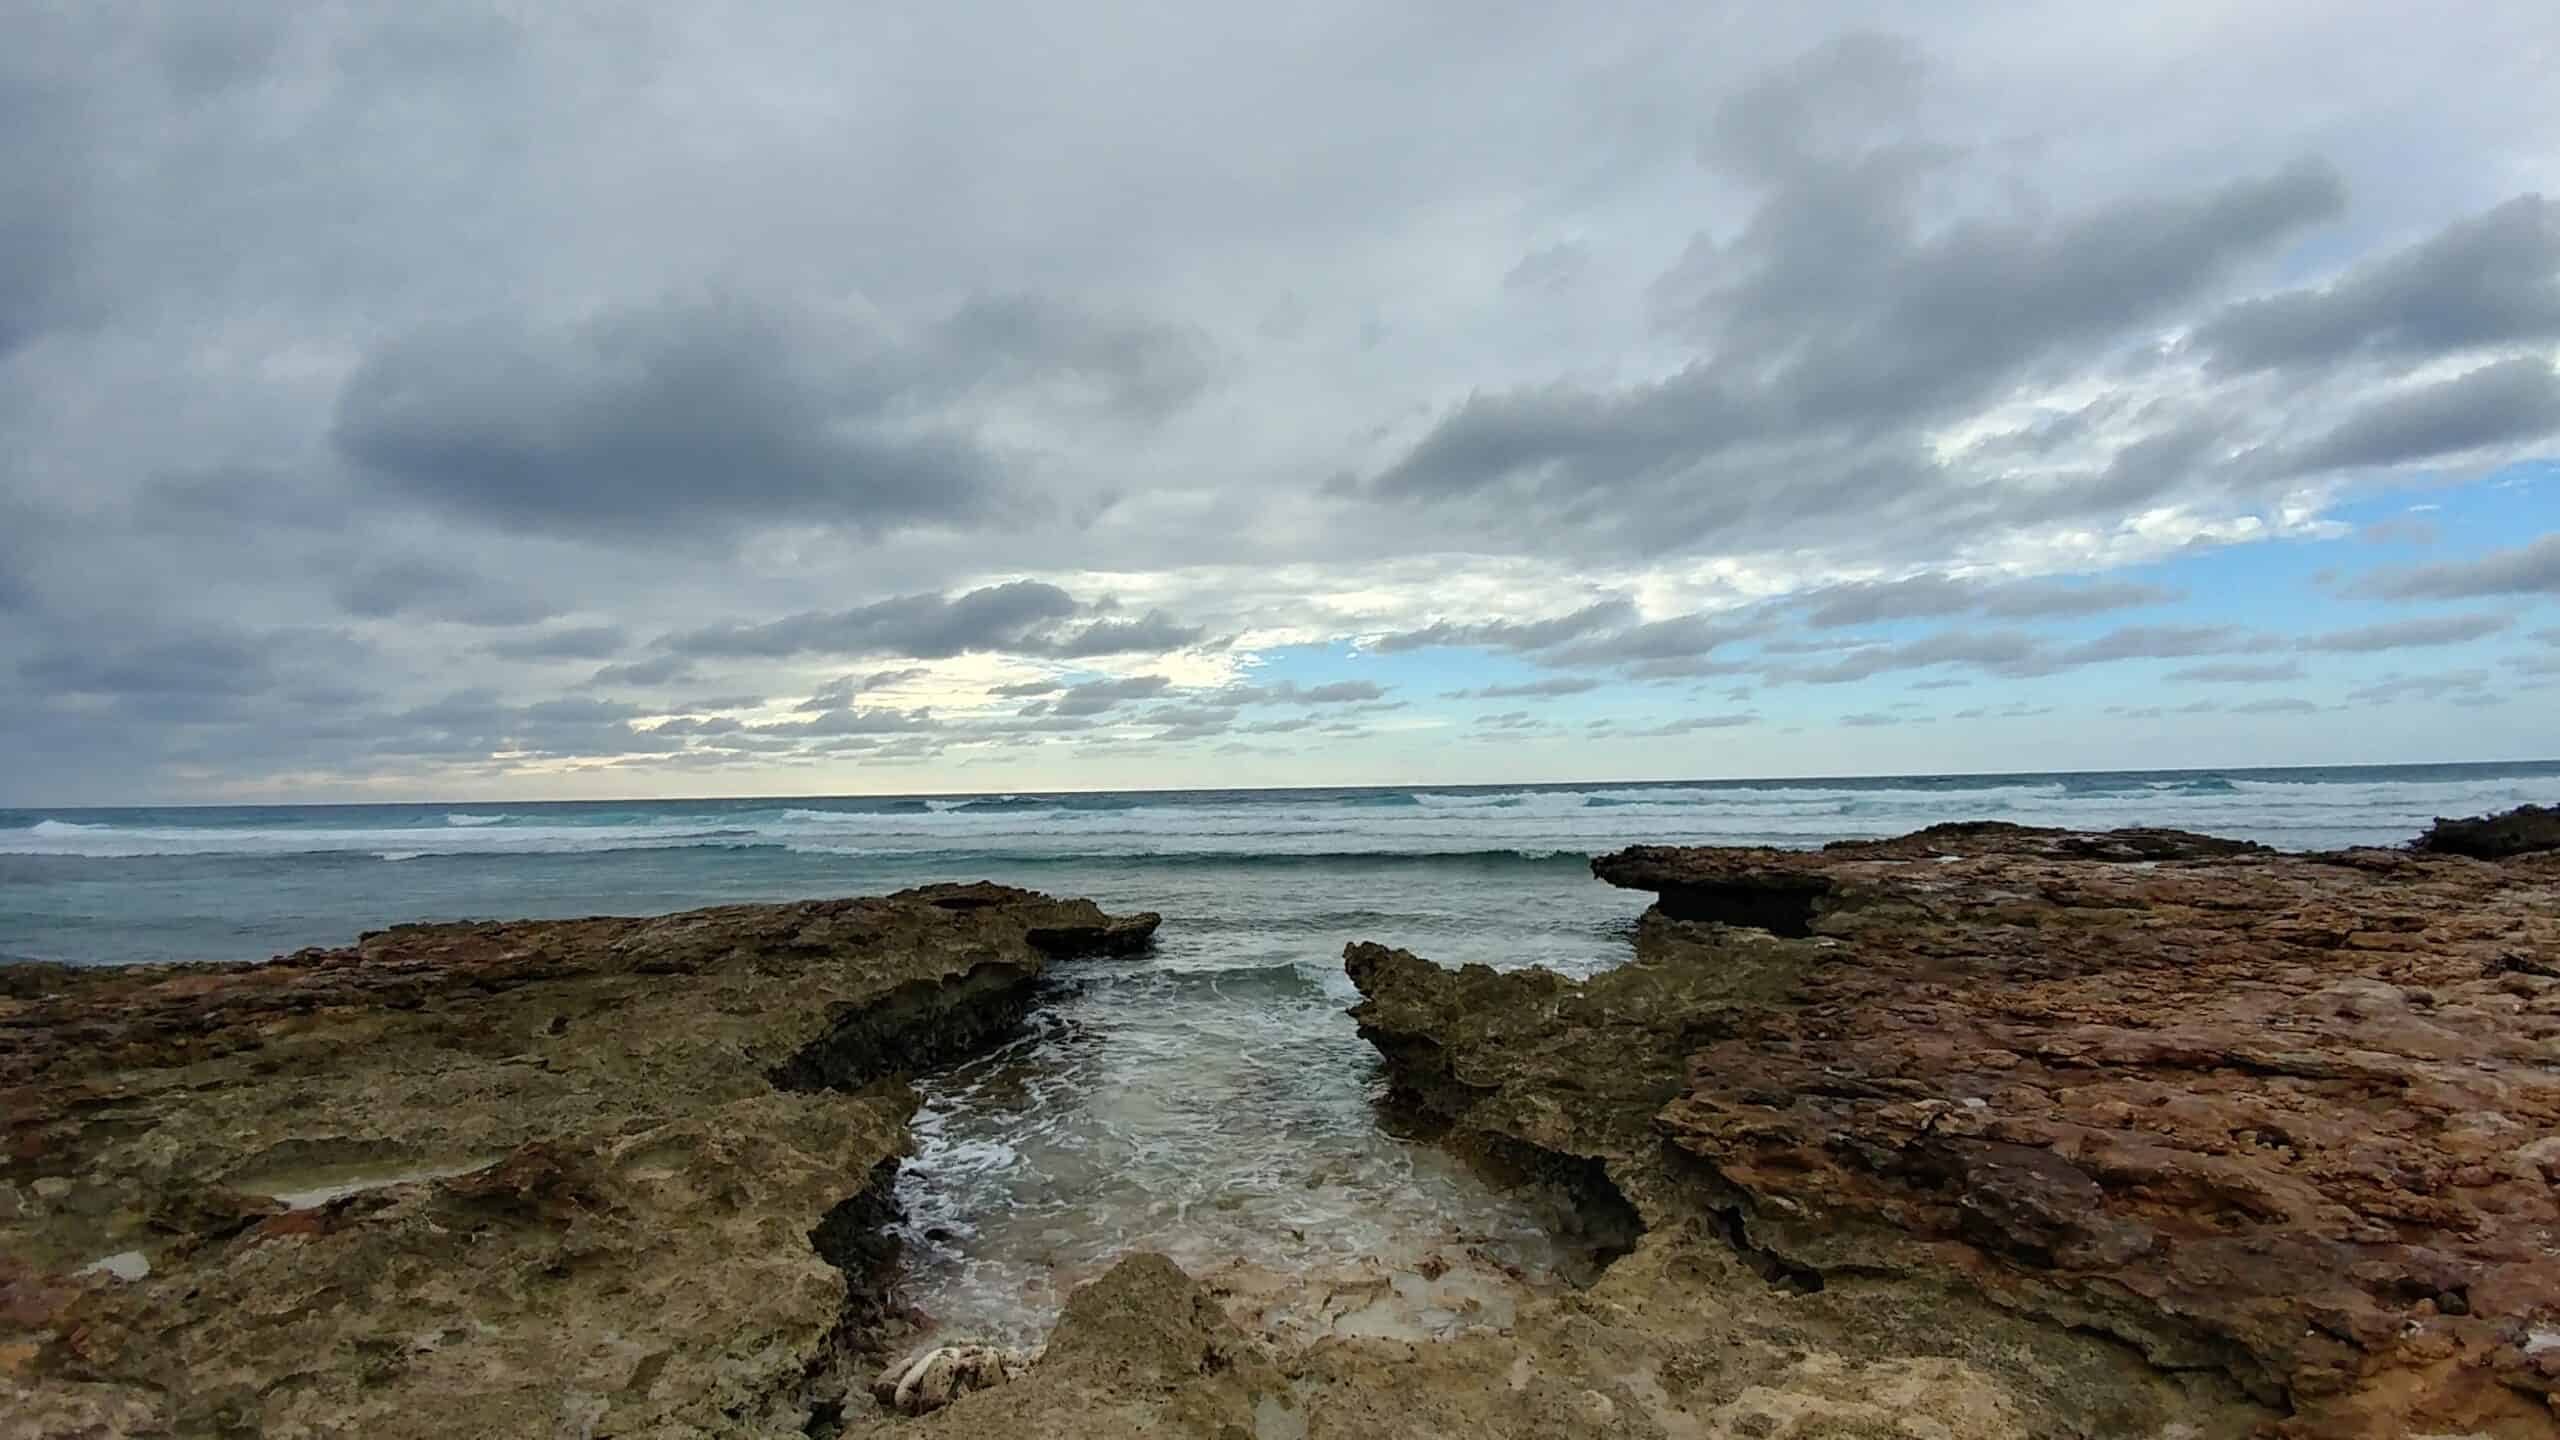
(2289, 1124)
(1983, 1131)
(586, 1177)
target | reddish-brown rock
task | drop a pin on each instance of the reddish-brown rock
(2291, 1118)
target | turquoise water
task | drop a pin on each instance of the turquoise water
(1484, 866)
(1208, 1098)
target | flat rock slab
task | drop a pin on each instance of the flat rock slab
(2290, 1119)
(584, 1177)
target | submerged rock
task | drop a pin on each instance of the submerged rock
(2286, 1120)
(2524, 830)
(582, 1177)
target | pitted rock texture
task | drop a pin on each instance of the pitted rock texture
(2290, 1119)
(1677, 1341)
(582, 1177)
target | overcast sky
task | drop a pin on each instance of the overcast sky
(444, 400)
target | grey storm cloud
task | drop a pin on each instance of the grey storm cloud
(656, 670)
(477, 723)
(2506, 402)
(200, 661)
(1674, 639)
(49, 278)
(1022, 617)
(392, 396)
(1542, 689)
(2238, 672)
(2005, 651)
(2492, 279)
(1835, 324)
(1936, 596)
(1151, 633)
(1691, 724)
(1196, 722)
(853, 720)
(1549, 267)
(2019, 653)
(2409, 634)
(574, 642)
(1096, 696)
(2155, 642)
(431, 590)
(1128, 365)
(2421, 687)
(668, 418)
(840, 691)
(1289, 692)
(2531, 569)
(1518, 635)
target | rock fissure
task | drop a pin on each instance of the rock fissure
(917, 1026)
(665, 1247)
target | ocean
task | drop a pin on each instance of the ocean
(1209, 1098)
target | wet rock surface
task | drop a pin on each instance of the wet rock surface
(2525, 830)
(2281, 1126)
(585, 1177)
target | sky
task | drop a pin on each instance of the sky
(434, 400)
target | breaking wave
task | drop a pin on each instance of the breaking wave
(2297, 809)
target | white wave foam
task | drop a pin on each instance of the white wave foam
(2305, 814)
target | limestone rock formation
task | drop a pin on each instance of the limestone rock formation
(2289, 1120)
(583, 1177)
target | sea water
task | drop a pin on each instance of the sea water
(1208, 1098)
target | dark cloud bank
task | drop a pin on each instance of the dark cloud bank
(428, 396)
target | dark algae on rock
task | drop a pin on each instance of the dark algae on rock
(588, 1177)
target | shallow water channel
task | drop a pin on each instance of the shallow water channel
(1211, 1100)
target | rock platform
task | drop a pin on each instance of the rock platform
(585, 1178)
(2290, 1121)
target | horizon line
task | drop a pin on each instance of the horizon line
(1429, 787)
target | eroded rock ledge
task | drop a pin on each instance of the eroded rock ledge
(585, 1177)
(2291, 1123)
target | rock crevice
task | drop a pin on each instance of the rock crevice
(696, 1128)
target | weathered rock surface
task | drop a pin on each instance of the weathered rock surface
(590, 1177)
(1676, 1340)
(2521, 831)
(2290, 1121)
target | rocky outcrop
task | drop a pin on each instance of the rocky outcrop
(584, 1177)
(2293, 1121)
(2525, 830)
